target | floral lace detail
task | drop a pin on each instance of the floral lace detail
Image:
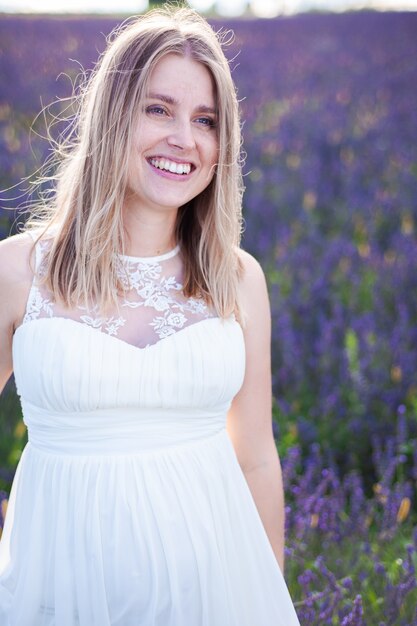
(110, 325)
(37, 305)
(158, 292)
(152, 305)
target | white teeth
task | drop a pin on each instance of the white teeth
(171, 166)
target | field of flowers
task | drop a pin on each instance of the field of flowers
(330, 133)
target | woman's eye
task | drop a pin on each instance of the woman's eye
(207, 121)
(155, 109)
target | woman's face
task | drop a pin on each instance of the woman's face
(175, 143)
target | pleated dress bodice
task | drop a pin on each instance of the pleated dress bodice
(161, 370)
(106, 395)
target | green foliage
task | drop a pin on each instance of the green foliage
(13, 435)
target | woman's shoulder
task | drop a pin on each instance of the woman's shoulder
(17, 265)
(253, 292)
(252, 274)
(16, 258)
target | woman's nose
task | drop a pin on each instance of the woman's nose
(182, 135)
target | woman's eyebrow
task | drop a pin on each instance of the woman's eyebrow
(202, 108)
(160, 96)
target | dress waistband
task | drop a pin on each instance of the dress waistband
(118, 431)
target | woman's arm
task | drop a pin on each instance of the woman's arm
(15, 279)
(250, 418)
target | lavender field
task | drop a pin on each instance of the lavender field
(330, 133)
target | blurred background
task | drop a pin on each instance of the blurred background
(328, 92)
(259, 8)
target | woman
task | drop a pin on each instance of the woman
(150, 490)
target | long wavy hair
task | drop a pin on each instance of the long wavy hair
(83, 215)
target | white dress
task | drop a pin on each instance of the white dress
(129, 507)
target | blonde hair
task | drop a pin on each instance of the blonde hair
(84, 213)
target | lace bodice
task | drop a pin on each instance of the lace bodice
(152, 307)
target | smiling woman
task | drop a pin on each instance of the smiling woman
(150, 491)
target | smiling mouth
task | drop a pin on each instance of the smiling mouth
(171, 166)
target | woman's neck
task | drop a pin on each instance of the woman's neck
(149, 235)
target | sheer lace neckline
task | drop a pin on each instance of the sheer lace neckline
(151, 259)
(151, 307)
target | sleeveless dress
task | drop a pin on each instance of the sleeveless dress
(129, 507)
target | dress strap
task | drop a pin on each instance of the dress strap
(37, 304)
